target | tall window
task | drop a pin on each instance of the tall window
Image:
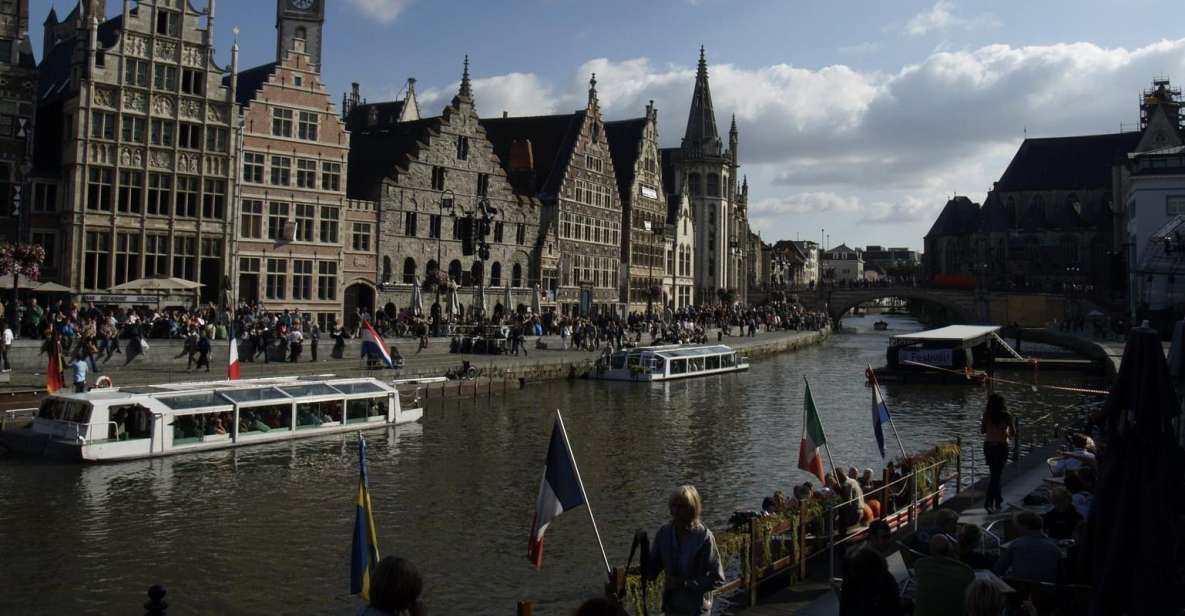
(131, 187)
(184, 257)
(47, 240)
(188, 187)
(483, 184)
(281, 171)
(496, 274)
(277, 279)
(327, 281)
(693, 184)
(305, 216)
(462, 147)
(252, 219)
(306, 173)
(98, 190)
(127, 257)
(160, 188)
(302, 279)
(156, 255)
(164, 77)
(434, 226)
(520, 234)
(216, 139)
(98, 255)
(135, 72)
(307, 127)
(189, 136)
(331, 176)
(329, 218)
(454, 271)
(132, 129)
(713, 185)
(45, 197)
(277, 218)
(253, 163)
(409, 271)
(193, 82)
(438, 178)
(281, 122)
(498, 227)
(168, 23)
(161, 132)
(516, 275)
(409, 224)
(361, 237)
(214, 200)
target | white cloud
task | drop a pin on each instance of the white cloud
(520, 94)
(941, 16)
(384, 11)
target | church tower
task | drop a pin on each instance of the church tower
(300, 20)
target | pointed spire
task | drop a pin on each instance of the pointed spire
(466, 87)
(592, 90)
(52, 19)
(701, 138)
(733, 129)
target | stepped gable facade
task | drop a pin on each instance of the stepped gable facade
(18, 87)
(564, 161)
(426, 175)
(135, 144)
(294, 243)
(647, 246)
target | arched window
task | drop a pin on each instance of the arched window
(386, 269)
(496, 274)
(476, 273)
(713, 185)
(454, 271)
(693, 186)
(431, 267)
(516, 276)
(409, 271)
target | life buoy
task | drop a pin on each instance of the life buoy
(103, 382)
(471, 373)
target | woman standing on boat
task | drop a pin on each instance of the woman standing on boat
(685, 550)
(996, 427)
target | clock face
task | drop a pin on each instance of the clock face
(302, 5)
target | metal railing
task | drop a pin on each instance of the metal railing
(15, 415)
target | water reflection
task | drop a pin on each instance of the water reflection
(269, 527)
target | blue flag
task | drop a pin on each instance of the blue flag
(364, 553)
(880, 416)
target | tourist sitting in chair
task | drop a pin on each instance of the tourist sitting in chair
(1032, 555)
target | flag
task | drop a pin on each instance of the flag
(558, 492)
(813, 439)
(232, 360)
(373, 345)
(364, 552)
(54, 379)
(880, 416)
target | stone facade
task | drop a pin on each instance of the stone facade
(136, 142)
(18, 88)
(427, 175)
(292, 224)
(681, 250)
(842, 264)
(644, 246)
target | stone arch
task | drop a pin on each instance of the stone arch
(693, 185)
(495, 274)
(454, 271)
(477, 273)
(516, 275)
(961, 304)
(409, 271)
(431, 267)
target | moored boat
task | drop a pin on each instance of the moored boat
(160, 420)
(953, 354)
(666, 363)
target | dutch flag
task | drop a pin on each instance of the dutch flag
(559, 491)
(880, 416)
(373, 345)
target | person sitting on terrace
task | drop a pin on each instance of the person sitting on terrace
(1079, 484)
(868, 587)
(1060, 521)
(879, 539)
(866, 480)
(969, 539)
(941, 580)
(1073, 459)
(1032, 555)
(931, 524)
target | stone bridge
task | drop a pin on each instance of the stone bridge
(836, 301)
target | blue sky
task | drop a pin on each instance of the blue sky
(860, 117)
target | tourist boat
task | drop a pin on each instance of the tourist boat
(159, 420)
(880, 326)
(670, 362)
(954, 354)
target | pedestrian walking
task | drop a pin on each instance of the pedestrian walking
(203, 349)
(295, 338)
(80, 367)
(339, 342)
(5, 343)
(314, 337)
(997, 429)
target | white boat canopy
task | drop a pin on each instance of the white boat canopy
(967, 335)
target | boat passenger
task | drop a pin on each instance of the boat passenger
(685, 550)
(395, 589)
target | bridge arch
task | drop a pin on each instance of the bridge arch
(961, 304)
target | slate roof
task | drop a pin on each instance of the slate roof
(624, 137)
(552, 139)
(791, 248)
(388, 113)
(54, 70)
(1067, 163)
(250, 82)
(374, 153)
(666, 159)
(959, 216)
(993, 216)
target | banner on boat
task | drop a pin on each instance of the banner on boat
(937, 357)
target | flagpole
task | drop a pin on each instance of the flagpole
(826, 447)
(587, 504)
(892, 425)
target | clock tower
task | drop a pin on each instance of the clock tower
(300, 20)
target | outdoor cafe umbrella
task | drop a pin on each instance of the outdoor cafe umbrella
(454, 304)
(159, 285)
(1133, 521)
(535, 299)
(52, 287)
(508, 301)
(417, 301)
(479, 300)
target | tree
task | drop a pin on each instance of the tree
(21, 259)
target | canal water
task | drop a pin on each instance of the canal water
(267, 529)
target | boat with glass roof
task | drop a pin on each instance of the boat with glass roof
(666, 363)
(159, 420)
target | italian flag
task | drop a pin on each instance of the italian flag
(809, 458)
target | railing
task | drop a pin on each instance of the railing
(15, 415)
(768, 546)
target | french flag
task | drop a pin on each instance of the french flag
(373, 345)
(232, 363)
(559, 491)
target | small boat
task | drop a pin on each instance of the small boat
(128, 423)
(954, 354)
(667, 363)
(880, 326)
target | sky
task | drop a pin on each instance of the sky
(858, 120)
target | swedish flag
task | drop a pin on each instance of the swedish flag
(364, 553)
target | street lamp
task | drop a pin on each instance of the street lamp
(449, 204)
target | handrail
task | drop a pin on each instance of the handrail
(11, 415)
